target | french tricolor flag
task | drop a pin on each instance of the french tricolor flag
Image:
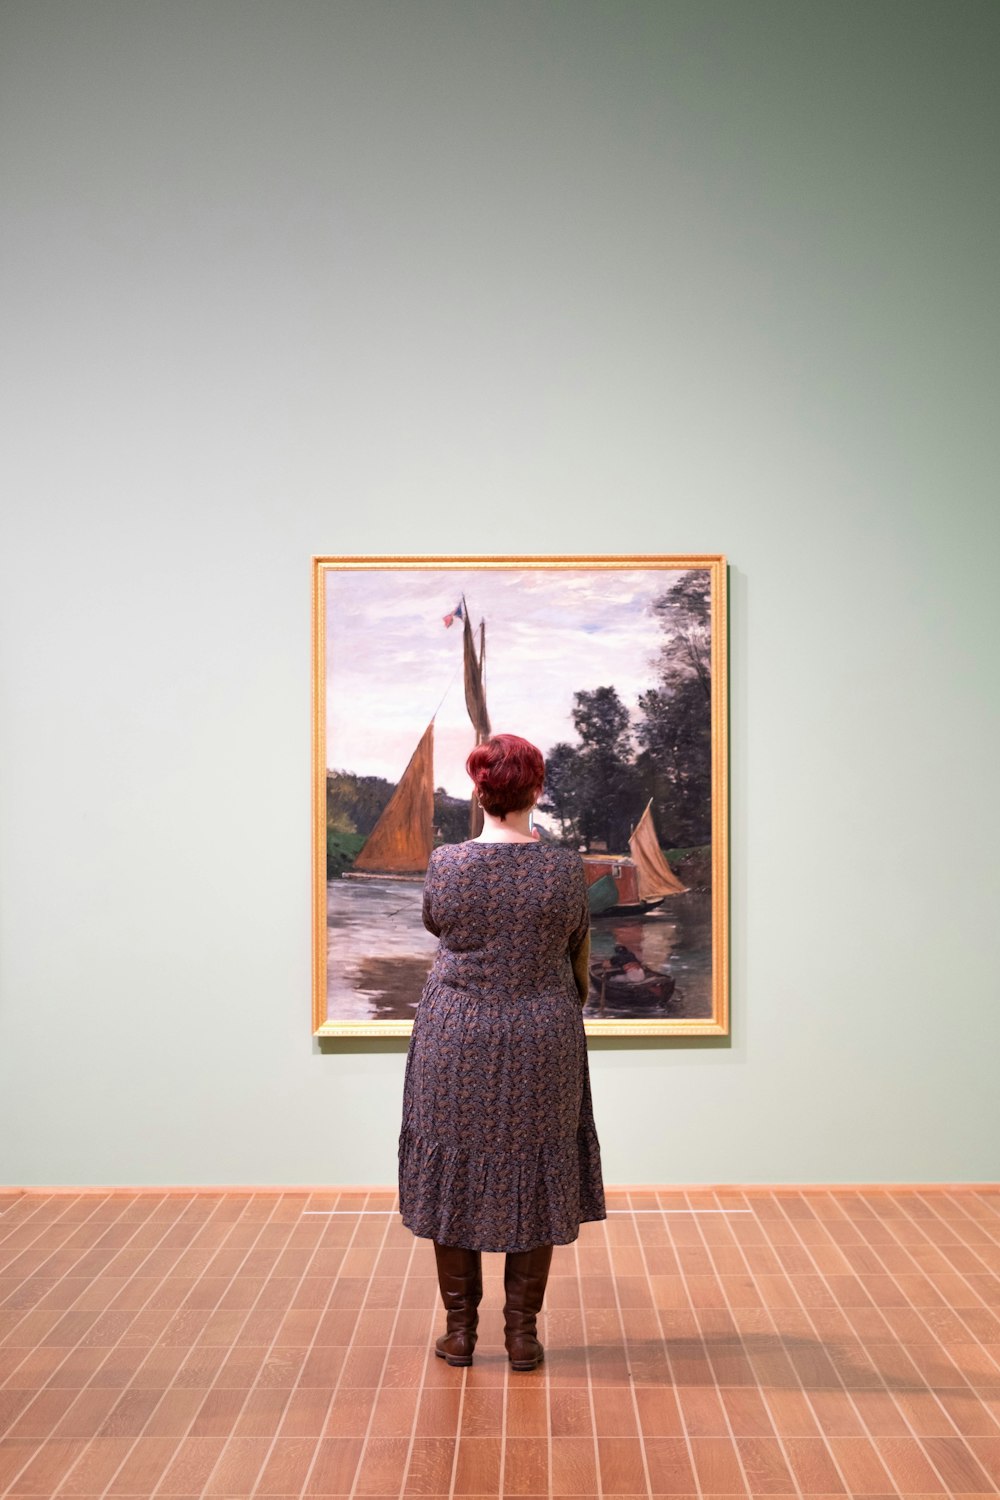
(457, 614)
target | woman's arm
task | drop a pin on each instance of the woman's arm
(581, 967)
(579, 944)
(428, 911)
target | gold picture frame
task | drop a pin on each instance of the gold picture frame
(382, 659)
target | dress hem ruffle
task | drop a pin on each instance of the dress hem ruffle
(536, 1199)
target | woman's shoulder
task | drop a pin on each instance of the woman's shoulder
(566, 854)
(564, 851)
(468, 848)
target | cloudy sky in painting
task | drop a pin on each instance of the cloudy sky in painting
(391, 663)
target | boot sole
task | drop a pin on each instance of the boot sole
(455, 1360)
(526, 1364)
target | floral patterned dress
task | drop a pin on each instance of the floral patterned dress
(498, 1149)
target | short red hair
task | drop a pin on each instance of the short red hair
(507, 772)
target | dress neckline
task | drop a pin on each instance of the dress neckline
(506, 843)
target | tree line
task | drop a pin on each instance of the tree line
(354, 805)
(598, 787)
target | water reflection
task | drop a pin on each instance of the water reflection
(378, 949)
(675, 938)
(379, 952)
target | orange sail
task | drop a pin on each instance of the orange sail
(402, 839)
(656, 878)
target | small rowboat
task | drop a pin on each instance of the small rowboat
(611, 986)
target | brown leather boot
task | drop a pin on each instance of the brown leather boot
(524, 1278)
(460, 1277)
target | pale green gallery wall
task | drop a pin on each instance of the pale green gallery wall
(457, 276)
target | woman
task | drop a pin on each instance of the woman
(498, 1149)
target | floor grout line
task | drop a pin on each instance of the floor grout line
(910, 1305)
(586, 1343)
(57, 1281)
(458, 1430)
(637, 1414)
(715, 1379)
(385, 1362)
(231, 1345)
(77, 1225)
(318, 1436)
(71, 1349)
(924, 1382)
(658, 1314)
(806, 1313)
(252, 1485)
(37, 1211)
(791, 1224)
(779, 1436)
(428, 1355)
(159, 1341)
(501, 1477)
(547, 1388)
(150, 1218)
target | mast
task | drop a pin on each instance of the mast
(475, 699)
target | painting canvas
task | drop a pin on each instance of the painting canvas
(616, 669)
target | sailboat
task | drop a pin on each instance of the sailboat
(400, 844)
(629, 885)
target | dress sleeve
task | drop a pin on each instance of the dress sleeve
(428, 904)
(579, 941)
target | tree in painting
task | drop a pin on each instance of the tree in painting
(675, 728)
(596, 787)
(593, 788)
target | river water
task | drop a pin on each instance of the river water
(379, 952)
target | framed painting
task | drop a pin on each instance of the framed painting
(615, 667)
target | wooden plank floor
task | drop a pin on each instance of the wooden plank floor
(779, 1343)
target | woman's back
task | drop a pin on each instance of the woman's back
(498, 1148)
(508, 914)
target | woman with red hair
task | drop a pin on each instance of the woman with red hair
(498, 1149)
